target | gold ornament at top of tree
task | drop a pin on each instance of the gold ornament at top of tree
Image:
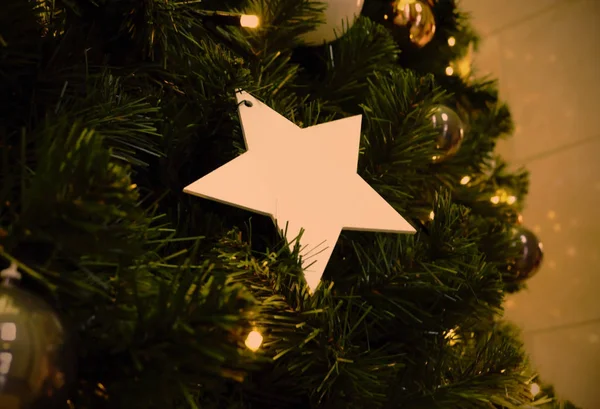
(418, 17)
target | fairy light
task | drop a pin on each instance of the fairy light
(465, 180)
(249, 21)
(254, 340)
(495, 199)
(535, 389)
(220, 18)
(511, 199)
(431, 215)
(11, 272)
(452, 337)
(451, 41)
(449, 70)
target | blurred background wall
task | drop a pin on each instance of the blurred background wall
(546, 55)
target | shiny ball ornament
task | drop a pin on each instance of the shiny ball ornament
(451, 132)
(339, 16)
(530, 258)
(34, 363)
(417, 17)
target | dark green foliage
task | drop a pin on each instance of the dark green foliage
(110, 107)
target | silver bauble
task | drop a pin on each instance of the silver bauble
(450, 129)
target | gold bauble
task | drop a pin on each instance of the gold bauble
(418, 17)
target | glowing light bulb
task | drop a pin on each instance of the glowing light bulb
(449, 71)
(431, 215)
(8, 331)
(249, 21)
(495, 199)
(5, 361)
(452, 337)
(535, 389)
(465, 180)
(451, 41)
(511, 199)
(254, 340)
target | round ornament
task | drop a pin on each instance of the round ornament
(450, 132)
(339, 16)
(406, 18)
(33, 360)
(531, 255)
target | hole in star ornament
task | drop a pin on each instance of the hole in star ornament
(305, 179)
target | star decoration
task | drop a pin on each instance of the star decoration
(303, 178)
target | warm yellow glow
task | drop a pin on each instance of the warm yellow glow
(495, 199)
(511, 199)
(254, 340)
(11, 272)
(451, 41)
(5, 361)
(465, 180)
(431, 215)
(449, 70)
(8, 331)
(385, 17)
(249, 21)
(452, 337)
(535, 389)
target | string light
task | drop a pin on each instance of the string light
(535, 389)
(254, 340)
(219, 18)
(449, 70)
(465, 180)
(431, 215)
(451, 41)
(452, 337)
(502, 196)
(249, 21)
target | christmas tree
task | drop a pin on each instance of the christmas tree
(111, 108)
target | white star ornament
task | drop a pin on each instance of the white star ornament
(303, 178)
